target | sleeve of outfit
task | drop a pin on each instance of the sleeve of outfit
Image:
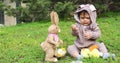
(95, 33)
(74, 32)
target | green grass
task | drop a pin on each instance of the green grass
(21, 43)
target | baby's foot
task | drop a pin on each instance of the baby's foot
(79, 57)
(113, 56)
(107, 55)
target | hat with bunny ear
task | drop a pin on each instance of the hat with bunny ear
(54, 17)
(91, 11)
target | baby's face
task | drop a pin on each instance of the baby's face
(85, 19)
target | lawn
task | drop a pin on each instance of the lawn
(21, 43)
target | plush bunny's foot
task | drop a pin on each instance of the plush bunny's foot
(51, 59)
(76, 62)
(55, 60)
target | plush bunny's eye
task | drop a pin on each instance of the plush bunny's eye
(56, 28)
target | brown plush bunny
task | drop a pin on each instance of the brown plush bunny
(53, 41)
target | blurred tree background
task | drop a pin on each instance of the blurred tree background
(37, 10)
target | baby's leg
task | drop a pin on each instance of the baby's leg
(74, 51)
(103, 48)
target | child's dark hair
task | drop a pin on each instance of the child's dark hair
(84, 11)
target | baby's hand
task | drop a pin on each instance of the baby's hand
(87, 35)
(74, 27)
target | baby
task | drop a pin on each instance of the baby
(87, 31)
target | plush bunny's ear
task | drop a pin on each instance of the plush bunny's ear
(54, 17)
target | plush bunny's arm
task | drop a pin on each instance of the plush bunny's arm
(60, 41)
(51, 40)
